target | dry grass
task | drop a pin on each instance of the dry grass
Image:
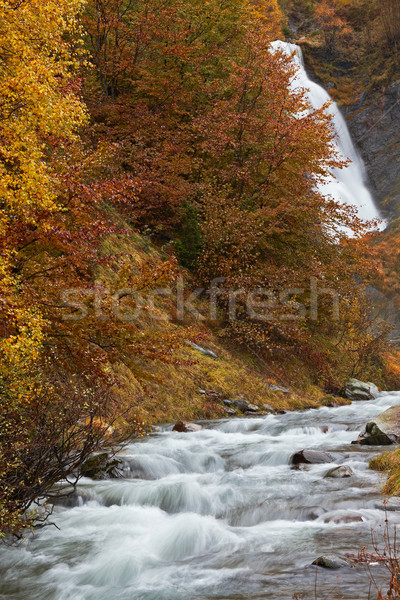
(389, 463)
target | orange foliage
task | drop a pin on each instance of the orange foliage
(332, 22)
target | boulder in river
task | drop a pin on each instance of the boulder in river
(360, 390)
(311, 457)
(184, 427)
(332, 561)
(245, 406)
(339, 472)
(101, 466)
(383, 430)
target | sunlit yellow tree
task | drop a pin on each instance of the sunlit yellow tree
(38, 102)
(39, 109)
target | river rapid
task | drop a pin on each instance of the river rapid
(215, 514)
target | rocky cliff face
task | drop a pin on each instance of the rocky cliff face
(374, 122)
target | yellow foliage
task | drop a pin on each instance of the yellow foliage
(35, 72)
(38, 102)
(269, 12)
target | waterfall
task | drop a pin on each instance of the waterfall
(347, 185)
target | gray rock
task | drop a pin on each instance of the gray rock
(311, 457)
(332, 561)
(102, 466)
(205, 351)
(227, 402)
(384, 430)
(359, 390)
(229, 411)
(339, 472)
(245, 406)
(268, 408)
(184, 427)
(278, 388)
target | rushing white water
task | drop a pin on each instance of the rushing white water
(214, 515)
(347, 185)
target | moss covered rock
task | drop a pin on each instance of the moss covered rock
(383, 430)
(101, 466)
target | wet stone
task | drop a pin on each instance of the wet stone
(339, 472)
(311, 457)
(332, 561)
(184, 427)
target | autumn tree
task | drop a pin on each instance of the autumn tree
(59, 179)
(330, 19)
(166, 61)
(37, 88)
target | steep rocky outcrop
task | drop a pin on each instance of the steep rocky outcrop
(374, 121)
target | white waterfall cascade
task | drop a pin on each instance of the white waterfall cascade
(347, 185)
